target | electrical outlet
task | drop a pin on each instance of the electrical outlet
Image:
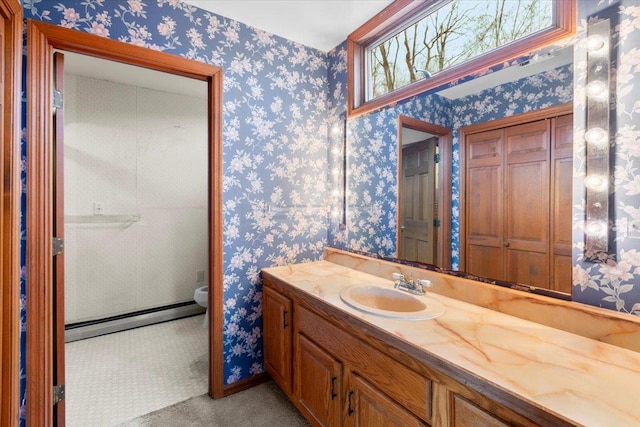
(200, 276)
(98, 208)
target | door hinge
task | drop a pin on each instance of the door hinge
(58, 246)
(57, 99)
(436, 157)
(436, 222)
(58, 393)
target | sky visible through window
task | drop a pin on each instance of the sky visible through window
(457, 31)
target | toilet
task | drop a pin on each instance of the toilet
(201, 296)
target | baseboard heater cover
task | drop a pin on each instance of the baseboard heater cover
(94, 328)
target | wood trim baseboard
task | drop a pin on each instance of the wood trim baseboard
(42, 38)
(11, 13)
(246, 383)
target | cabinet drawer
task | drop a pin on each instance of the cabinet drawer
(466, 413)
(398, 382)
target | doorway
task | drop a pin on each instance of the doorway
(43, 315)
(424, 192)
(131, 184)
(419, 200)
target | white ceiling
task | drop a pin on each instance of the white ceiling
(322, 24)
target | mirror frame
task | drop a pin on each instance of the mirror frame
(444, 189)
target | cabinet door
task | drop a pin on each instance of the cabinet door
(317, 382)
(367, 406)
(276, 318)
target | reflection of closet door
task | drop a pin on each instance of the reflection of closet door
(526, 238)
(561, 202)
(417, 205)
(484, 207)
(518, 203)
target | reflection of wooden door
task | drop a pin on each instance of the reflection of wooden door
(417, 202)
(526, 233)
(518, 190)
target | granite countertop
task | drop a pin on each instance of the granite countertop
(575, 378)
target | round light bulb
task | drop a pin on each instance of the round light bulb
(596, 136)
(596, 228)
(596, 89)
(595, 182)
(595, 43)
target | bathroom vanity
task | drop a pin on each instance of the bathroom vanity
(470, 366)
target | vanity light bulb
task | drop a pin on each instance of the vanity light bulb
(596, 228)
(596, 136)
(595, 43)
(595, 182)
(597, 90)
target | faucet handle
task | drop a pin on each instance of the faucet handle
(424, 282)
(398, 276)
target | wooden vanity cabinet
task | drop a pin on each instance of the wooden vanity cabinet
(277, 337)
(337, 376)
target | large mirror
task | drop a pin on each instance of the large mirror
(461, 177)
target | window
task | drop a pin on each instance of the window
(411, 47)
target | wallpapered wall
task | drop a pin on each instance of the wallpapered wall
(275, 144)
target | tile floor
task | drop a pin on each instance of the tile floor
(114, 378)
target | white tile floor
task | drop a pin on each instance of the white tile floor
(114, 378)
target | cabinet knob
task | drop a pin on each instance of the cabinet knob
(284, 319)
(402, 228)
(350, 409)
(506, 244)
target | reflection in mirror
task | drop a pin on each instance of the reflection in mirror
(527, 85)
(418, 200)
(422, 204)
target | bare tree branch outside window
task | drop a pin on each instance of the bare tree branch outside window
(458, 31)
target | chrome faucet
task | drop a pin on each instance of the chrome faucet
(410, 286)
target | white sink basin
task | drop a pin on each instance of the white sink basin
(392, 303)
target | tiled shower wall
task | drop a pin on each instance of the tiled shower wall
(138, 151)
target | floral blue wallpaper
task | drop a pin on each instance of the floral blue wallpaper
(284, 146)
(275, 142)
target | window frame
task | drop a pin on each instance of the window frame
(401, 11)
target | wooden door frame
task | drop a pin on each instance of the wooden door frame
(42, 39)
(444, 178)
(11, 13)
(542, 114)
